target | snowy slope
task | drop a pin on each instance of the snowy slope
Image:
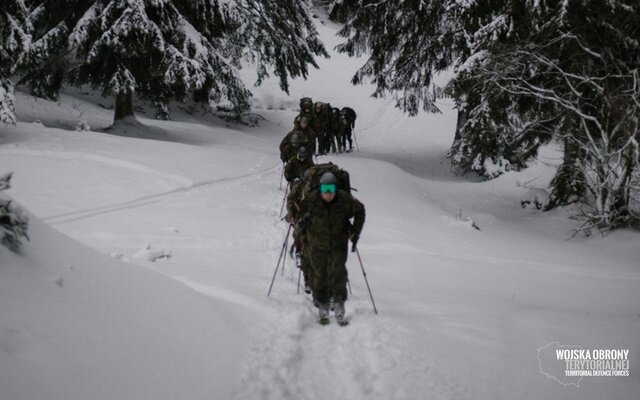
(462, 312)
(77, 324)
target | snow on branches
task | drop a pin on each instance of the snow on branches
(526, 73)
(15, 40)
(170, 49)
(13, 221)
(7, 108)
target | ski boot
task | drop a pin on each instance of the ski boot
(323, 312)
(339, 312)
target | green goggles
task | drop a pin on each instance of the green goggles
(327, 188)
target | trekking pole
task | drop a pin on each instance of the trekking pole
(349, 285)
(299, 274)
(284, 199)
(281, 175)
(355, 138)
(286, 245)
(366, 280)
(282, 251)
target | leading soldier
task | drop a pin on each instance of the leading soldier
(327, 228)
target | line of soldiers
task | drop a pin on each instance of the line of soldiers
(329, 128)
(324, 214)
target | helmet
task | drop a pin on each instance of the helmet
(328, 184)
(302, 153)
(328, 178)
(304, 120)
(295, 139)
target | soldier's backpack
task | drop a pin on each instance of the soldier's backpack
(350, 116)
(306, 102)
(313, 174)
(311, 182)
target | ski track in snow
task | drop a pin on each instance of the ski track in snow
(293, 357)
(296, 358)
(109, 161)
(148, 200)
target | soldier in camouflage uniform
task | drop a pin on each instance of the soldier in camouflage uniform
(308, 132)
(295, 171)
(327, 228)
(291, 142)
(323, 114)
(337, 127)
(306, 110)
(348, 116)
(296, 167)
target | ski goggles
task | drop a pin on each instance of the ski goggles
(327, 188)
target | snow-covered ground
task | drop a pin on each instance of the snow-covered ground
(153, 283)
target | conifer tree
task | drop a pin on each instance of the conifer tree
(14, 41)
(342, 10)
(169, 49)
(14, 222)
(584, 63)
(526, 71)
(410, 41)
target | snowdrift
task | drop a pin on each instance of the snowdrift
(76, 324)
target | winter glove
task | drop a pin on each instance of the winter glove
(354, 242)
(302, 224)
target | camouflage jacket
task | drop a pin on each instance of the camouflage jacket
(295, 169)
(314, 123)
(328, 225)
(288, 151)
(324, 118)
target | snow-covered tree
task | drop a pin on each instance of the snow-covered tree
(43, 67)
(13, 221)
(14, 41)
(397, 37)
(168, 49)
(342, 10)
(497, 131)
(407, 42)
(278, 36)
(527, 71)
(7, 107)
(586, 65)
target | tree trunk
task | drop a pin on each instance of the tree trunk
(459, 162)
(568, 185)
(622, 196)
(461, 120)
(124, 106)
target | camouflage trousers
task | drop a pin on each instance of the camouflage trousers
(329, 274)
(305, 267)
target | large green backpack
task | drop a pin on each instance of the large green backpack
(312, 177)
(306, 101)
(311, 182)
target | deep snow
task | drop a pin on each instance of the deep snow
(156, 286)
